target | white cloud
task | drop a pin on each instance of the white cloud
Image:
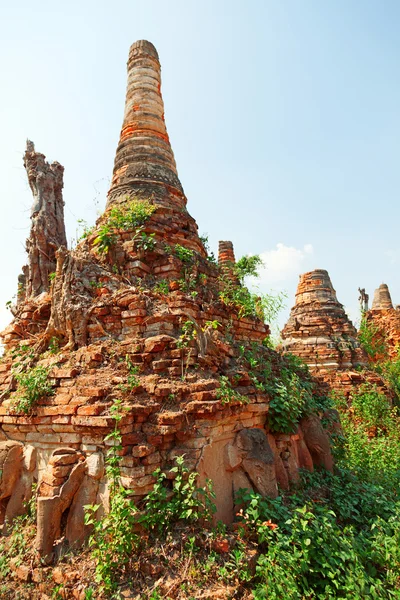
(283, 263)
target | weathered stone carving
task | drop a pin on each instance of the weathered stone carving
(67, 485)
(252, 454)
(47, 219)
(363, 300)
(17, 465)
(317, 442)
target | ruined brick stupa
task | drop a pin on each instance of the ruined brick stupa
(135, 313)
(386, 322)
(318, 329)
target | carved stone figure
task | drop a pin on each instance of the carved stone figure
(252, 454)
(70, 482)
(17, 465)
(363, 300)
(317, 442)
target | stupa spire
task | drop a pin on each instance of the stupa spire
(382, 299)
(144, 159)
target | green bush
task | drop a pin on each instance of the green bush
(336, 537)
(372, 339)
(163, 507)
(227, 394)
(129, 216)
(33, 384)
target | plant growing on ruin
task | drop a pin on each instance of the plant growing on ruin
(133, 380)
(87, 230)
(113, 540)
(290, 399)
(184, 254)
(144, 241)
(227, 394)
(161, 287)
(372, 339)
(162, 507)
(188, 334)
(247, 266)
(129, 216)
(390, 371)
(33, 384)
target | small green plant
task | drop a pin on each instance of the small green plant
(372, 339)
(86, 229)
(133, 380)
(227, 394)
(188, 334)
(113, 540)
(129, 216)
(96, 285)
(144, 241)
(184, 502)
(52, 276)
(161, 287)
(33, 385)
(290, 399)
(247, 266)
(184, 254)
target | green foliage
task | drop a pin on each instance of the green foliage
(227, 394)
(372, 436)
(336, 537)
(52, 276)
(162, 507)
(184, 254)
(133, 380)
(33, 384)
(54, 345)
(144, 241)
(371, 407)
(248, 304)
(188, 334)
(288, 402)
(104, 239)
(86, 229)
(129, 216)
(113, 540)
(372, 339)
(161, 287)
(247, 266)
(390, 371)
(19, 541)
(210, 255)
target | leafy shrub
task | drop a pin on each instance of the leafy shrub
(372, 339)
(184, 254)
(337, 537)
(390, 371)
(372, 436)
(291, 398)
(163, 507)
(33, 384)
(227, 394)
(247, 266)
(128, 216)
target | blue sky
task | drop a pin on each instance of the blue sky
(283, 117)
